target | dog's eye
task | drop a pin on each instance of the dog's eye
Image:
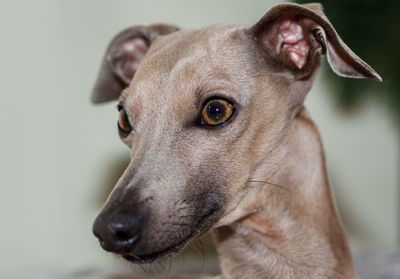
(216, 112)
(124, 127)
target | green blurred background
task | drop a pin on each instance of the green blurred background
(371, 28)
(60, 154)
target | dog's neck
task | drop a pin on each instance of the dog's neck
(294, 225)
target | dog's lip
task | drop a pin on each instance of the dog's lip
(175, 248)
(170, 250)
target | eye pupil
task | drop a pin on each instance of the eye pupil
(216, 110)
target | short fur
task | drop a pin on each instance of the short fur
(259, 182)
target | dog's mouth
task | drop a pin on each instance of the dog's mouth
(167, 252)
(201, 227)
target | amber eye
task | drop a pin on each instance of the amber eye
(216, 112)
(124, 126)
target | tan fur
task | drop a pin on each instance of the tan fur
(279, 219)
(293, 233)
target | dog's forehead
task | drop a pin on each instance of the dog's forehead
(188, 63)
(209, 38)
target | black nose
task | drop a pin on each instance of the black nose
(118, 231)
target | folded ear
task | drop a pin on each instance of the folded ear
(122, 59)
(295, 36)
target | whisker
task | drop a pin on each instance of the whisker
(183, 208)
(169, 267)
(183, 260)
(201, 249)
(185, 216)
(146, 200)
(143, 268)
(181, 224)
(269, 183)
(195, 252)
(162, 267)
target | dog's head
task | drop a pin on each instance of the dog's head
(200, 109)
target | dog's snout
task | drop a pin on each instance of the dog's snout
(118, 231)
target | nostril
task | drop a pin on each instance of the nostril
(123, 236)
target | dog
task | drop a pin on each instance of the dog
(221, 141)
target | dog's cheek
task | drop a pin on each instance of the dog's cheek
(209, 208)
(206, 196)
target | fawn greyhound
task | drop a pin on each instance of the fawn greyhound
(221, 141)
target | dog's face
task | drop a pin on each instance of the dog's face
(200, 110)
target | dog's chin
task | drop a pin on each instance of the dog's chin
(159, 255)
(172, 249)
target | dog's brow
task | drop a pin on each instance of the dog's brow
(218, 88)
(198, 94)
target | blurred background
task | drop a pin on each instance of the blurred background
(60, 155)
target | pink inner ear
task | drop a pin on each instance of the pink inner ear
(134, 51)
(291, 40)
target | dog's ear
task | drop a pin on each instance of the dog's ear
(294, 37)
(122, 59)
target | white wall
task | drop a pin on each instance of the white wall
(56, 148)
(362, 153)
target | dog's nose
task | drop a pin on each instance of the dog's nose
(118, 231)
